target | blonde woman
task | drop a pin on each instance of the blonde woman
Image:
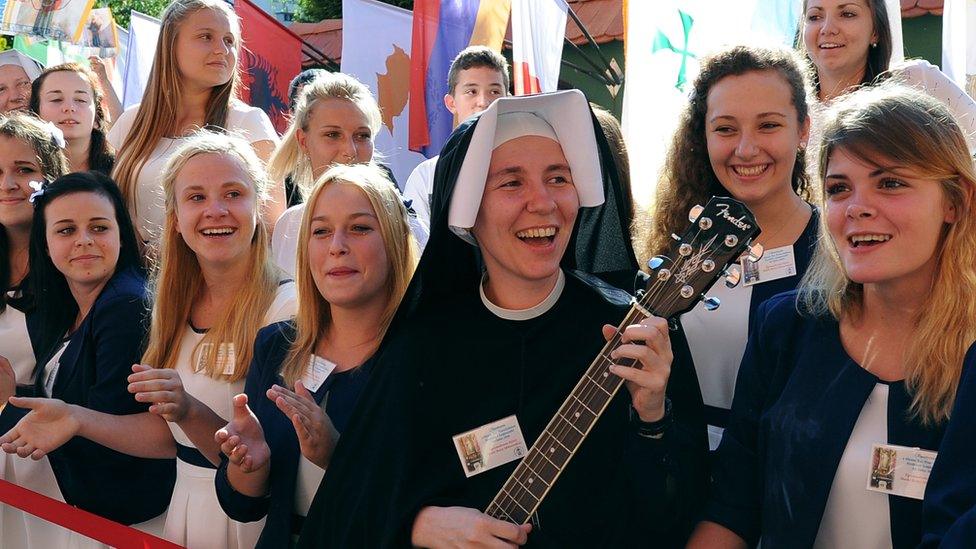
(865, 359)
(215, 287)
(193, 84)
(335, 122)
(307, 374)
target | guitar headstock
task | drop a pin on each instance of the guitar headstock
(719, 233)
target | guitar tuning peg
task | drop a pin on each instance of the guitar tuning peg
(711, 303)
(655, 263)
(755, 252)
(732, 276)
(695, 212)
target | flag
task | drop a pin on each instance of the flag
(441, 29)
(272, 56)
(959, 41)
(140, 50)
(663, 41)
(58, 19)
(538, 29)
(376, 50)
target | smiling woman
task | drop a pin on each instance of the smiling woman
(848, 43)
(193, 84)
(863, 363)
(70, 97)
(88, 324)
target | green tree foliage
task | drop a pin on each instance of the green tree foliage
(121, 8)
(317, 10)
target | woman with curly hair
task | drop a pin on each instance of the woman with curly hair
(743, 134)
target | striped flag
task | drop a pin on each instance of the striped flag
(441, 29)
(538, 29)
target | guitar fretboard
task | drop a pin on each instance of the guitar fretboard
(525, 489)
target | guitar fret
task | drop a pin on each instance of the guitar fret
(574, 397)
(570, 423)
(597, 383)
(531, 486)
(516, 502)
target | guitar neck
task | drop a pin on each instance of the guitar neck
(525, 489)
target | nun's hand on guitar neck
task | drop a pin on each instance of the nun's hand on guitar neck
(648, 343)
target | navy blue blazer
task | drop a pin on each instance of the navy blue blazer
(803, 250)
(949, 510)
(797, 398)
(92, 373)
(270, 350)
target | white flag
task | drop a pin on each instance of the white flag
(538, 29)
(664, 42)
(376, 50)
(959, 40)
(143, 35)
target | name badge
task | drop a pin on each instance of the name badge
(318, 369)
(490, 446)
(899, 470)
(774, 264)
(226, 357)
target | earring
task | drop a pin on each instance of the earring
(874, 44)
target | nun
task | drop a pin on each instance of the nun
(502, 319)
(17, 71)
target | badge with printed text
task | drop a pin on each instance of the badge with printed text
(226, 358)
(490, 446)
(899, 470)
(774, 264)
(318, 369)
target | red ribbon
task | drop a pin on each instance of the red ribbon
(78, 520)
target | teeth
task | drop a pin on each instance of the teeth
(225, 230)
(829, 45)
(537, 233)
(749, 171)
(857, 239)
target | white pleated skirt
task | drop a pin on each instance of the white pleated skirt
(195, 519)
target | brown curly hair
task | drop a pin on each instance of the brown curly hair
(687, 177)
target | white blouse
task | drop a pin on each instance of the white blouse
(250, 123)
(855, 517)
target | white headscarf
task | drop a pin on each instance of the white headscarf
(31, 66)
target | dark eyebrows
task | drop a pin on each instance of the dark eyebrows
(89, 221)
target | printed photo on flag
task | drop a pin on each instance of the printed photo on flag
(57, 19)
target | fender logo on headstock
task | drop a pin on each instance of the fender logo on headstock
(723, 210)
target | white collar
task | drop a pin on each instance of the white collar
(524, 314)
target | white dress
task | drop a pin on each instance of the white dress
(251, 123)
(194, 518)
(15, 346)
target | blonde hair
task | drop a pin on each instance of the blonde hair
(177, 279)
(288, 157)
(401, 253)
(891, 124)
(161, 101)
